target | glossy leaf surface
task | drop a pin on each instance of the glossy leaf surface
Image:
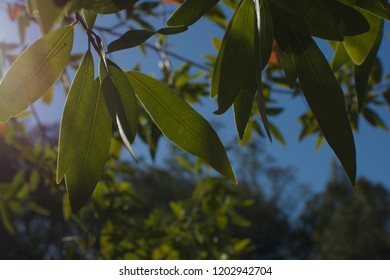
(243, 103)
(180, 123)
(34, 72)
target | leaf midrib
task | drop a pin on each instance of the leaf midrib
(168, 109)
(19, 90)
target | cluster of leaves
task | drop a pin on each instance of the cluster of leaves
(115, 101)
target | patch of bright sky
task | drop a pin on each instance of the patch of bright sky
(313, 167)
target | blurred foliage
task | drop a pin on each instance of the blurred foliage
(183, 211)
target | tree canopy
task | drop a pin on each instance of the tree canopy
(267, 44)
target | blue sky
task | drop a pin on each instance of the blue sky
(313, 167)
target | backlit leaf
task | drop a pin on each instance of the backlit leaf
(47, 12)
(263, 49)
(190, 11)
(75, 114)
(34, 72)
(90, 18)
(340, 57)
(326, 99)
(89, 158)
(180, 123)
(362, 72)
(379, 8)
(243, 103)
(358, 47)
(238, 53)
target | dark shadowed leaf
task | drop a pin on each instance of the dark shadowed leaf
(130, 39)
(127, 97)
(180, 123)
(88, 162)
(190, 11)
(34, 72)
(75, 114)
(115, 105)
(373, 118)
(350, 21)
(326, 100)
(134, 38)
(308, 16)
(171, 30)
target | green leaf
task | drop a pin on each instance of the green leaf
(48, 96)
(117, 94)
(190, 12)
(362, 72)
(5, 218)
(350, 21)
(326, 100)
(379, 8)
(263, 43)
(111, 6)
(340, 57)
(75, 114)
(47, 12)
(171, 30)
(76, 5)
(358, 47)
(243, 103)
(308, 16)
(127, 97)
(180, 123)
(238, 53)
(277, 134)
(89, 158)
(136, 37)
(90, 18)
(34, 72)
(130, 39)
(373, 118)
(266, 32)
(287, 63)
